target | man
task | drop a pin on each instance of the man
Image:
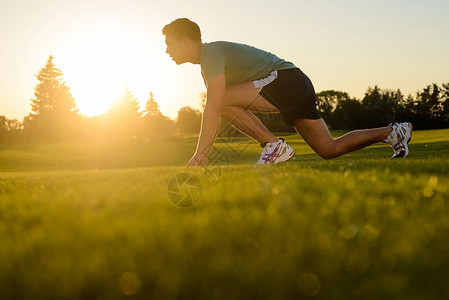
(240, 79)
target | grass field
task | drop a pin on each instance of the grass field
(94, 220)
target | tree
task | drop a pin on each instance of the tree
(189, 120)
(126, 107)
(348, 115)
(10, 130)
(151, 107)
(406, 110)
(379, 108)
(14, 129)
(123, 119)
(397, 101)
(54, 114)
(155, 125)
(445, 104)
(3, 129)
(429, 107)
(327, 102)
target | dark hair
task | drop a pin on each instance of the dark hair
(181, 28)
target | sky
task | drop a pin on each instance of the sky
(101, 46)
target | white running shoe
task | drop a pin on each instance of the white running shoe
(276, 152)
(399, 138)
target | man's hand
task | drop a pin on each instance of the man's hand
(210, 120)
(198, 160)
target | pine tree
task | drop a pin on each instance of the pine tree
(54, 114)
(429, 106)
(151, 107)
(127, 106)
(51, 93)
(123, 116)
(155, 125)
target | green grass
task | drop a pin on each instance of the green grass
(93, 220)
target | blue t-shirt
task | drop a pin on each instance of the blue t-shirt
(239, 62)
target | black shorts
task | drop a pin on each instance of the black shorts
(290, 91)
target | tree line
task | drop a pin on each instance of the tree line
(54, 115)
(428, 110)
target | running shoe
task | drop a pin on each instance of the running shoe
(276, 152)
(399, 138)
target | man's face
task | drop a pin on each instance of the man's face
(176, 49)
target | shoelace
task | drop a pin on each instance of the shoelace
(400, 138)
(269, 156)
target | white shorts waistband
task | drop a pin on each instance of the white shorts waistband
(260, 83)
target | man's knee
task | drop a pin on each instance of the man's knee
(328, 151)
(326, 154)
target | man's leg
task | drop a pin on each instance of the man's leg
(248, 123)
(316, 134)
(242, 98)
(239, 99)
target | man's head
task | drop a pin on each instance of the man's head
(183, 39)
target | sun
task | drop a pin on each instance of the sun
(98, 63)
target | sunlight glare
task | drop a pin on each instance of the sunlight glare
(99, 63)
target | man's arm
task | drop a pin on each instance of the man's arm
(210, 121)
